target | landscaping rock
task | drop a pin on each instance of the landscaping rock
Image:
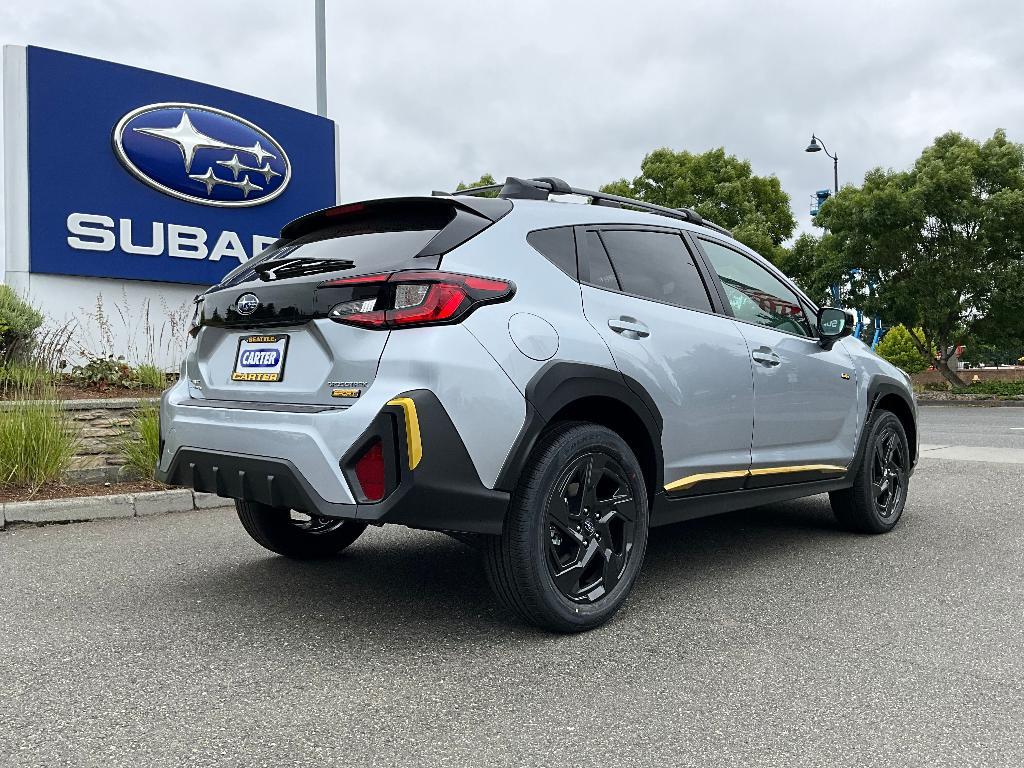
(98, 474)
(87, 462)
(100, 432)
(68, 510)
(158, 502)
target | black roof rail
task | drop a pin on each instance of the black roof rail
(539, 189)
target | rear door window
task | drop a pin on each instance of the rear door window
(656, 265)
(599, 268)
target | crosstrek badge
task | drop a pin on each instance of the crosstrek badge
(260, 358)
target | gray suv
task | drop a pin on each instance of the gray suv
(549, 372)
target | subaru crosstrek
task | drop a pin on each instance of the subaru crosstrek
(551, 372)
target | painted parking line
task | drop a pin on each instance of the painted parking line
(973, 453)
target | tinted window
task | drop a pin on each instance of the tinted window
(601, 273)
(558, 246)
(656, 265)
(755, 294)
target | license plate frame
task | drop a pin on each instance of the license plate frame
(260, 342)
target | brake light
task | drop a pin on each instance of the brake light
(416, 298)
(370, 471)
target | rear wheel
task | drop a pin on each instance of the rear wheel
(875, 501)
(296, 534)
(576, 531)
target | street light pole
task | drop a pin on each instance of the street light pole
(817, 145)
(321, 59)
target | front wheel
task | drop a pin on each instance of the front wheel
(875, 501)
(296, 534)
(576, 531)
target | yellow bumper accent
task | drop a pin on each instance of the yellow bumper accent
(689, 481)
(412, 429)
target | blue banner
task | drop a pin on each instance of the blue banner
(139, 175)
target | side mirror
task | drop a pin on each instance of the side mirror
(833, 324)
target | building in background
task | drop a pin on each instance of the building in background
(127, 192)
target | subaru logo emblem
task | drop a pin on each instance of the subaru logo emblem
(247, 303)
(202, 154)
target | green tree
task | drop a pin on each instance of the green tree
(814, 267)
(902, 351)
(721, 188)
(998, 337)
(483, 181)
(937, 245)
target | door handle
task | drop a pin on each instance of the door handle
(765, 356)
(629, 327)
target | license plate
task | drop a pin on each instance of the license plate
(260, 358)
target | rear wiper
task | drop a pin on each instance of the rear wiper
(279, 270)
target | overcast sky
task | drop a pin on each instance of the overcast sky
(427, 94)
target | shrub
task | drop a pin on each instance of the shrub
(150, 376)
(139, 446)
(18, 323)
(37, 440)
(993, 387)
(24, 381)
(898, 349)
(104, 372)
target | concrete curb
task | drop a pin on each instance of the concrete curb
(115, 505)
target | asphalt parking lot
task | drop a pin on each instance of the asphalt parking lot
(766, 637)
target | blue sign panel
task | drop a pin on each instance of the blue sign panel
(139, 175)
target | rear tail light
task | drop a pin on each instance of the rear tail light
(370, 471)
(415, 298)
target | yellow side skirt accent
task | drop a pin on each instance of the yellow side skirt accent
(689, 481)
(412, 429)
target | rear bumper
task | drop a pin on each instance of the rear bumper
(439, 490)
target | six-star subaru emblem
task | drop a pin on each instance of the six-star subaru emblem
(247, 303)
(202, 154)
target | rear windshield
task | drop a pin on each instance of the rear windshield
(356, 244)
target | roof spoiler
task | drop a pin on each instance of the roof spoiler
(487, 208)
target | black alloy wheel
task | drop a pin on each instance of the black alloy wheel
(875, 500)
(888, 473)
(314, 525)
(295, 534)
(591, 516)
(576, 531)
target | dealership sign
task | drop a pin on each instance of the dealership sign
(133, 174)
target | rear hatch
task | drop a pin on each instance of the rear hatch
(264, 333)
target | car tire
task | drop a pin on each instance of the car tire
(576, 530)
(296, 535)
(875, 501)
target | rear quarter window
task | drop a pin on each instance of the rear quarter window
(558, 246)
